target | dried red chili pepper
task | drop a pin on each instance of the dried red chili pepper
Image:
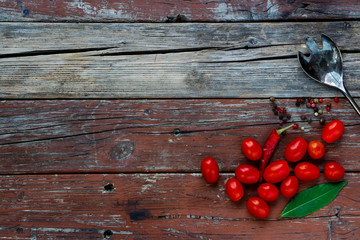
(269, 148)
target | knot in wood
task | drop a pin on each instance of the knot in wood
(121, 151)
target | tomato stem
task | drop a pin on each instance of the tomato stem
(280, 131)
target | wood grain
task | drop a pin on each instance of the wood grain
(164, 11)
(165, 61)
(159, 205)
(63, 136)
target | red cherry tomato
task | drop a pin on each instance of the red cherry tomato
(333, 131)
(268, 192)
(316, 149)
(247, 174)
(210, 170)
(306, 171)
(234, 189)
(258, 207)
(296, 149)
(251, 149)
(333, 171)
(289, 187)
(276, 171)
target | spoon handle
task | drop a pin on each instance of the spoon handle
(351, 100)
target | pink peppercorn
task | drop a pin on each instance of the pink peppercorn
(320, 100)
(336, 99)
(313, 105)
(295, 126)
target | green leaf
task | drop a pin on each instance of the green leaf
(312, 199)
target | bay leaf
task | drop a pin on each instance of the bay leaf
(312, 199)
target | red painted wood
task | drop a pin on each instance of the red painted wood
(160, 11)
(159, 205)
(54, 136)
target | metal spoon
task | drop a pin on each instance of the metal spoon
(324, 65)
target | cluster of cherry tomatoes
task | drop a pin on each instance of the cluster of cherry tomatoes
(278, 172)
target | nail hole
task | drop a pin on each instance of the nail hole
(109, 187)
(108, 234)
(177, 132)
(26, 12)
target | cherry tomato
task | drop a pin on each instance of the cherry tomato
(268, 192)
(210, 170)
(251, 149)
(289, 187)
(316, 149)
(333, 171)
(247, 174)
(306, 171)
(258, 207)
(234, 189)
(332, 131)
(276, 171)
(296, 149)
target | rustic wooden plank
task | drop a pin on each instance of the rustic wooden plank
(162, 11)
(159, 205)
(125, 38)
(165, 61)
(53, 136)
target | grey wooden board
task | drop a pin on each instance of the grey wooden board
(205, 60)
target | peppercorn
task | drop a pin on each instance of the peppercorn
(322, 121)
(298, 100)
(302, 128)
(308, 105)
(272, 99)
(295, 126)
(284, 110)
(316, 100)
(288, 116)
(276, 112)
(303, 100)
(313, 105)
(320, 100)
(328, 105)
(316, 109)
(320, 112)
(281, 117)
(297, 104)
(311, 101)
(328, 109)
(316, 114)
(303, 117)
(309, 120)
(336, 99)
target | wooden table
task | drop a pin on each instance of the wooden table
(108, 108)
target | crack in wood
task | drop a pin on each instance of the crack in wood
(157, 51)
(271, 58)
(52, 52)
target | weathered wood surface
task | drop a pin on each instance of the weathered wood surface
(166, 61)
(163, 11)
(157, 206)
(63, 136)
